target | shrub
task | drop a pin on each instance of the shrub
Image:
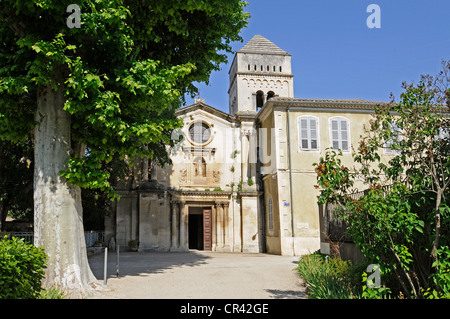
(21, 269)
(441, 278)
(328, 278)
(381, 292)
(52, 293)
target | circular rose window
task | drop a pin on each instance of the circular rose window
(199, 132)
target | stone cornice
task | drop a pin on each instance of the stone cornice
(209, 194)
(250, 194)
(273, 75)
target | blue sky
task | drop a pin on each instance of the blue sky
(336, 56)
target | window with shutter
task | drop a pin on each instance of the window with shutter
(309, 134)
(340, 138)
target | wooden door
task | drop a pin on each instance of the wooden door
(207, 230)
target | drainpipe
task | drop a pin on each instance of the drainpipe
(290, 180)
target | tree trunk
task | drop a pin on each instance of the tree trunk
(58, 219)
(4, 208)
(2, 217)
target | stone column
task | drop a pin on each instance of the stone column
(219, 225)
(175, 225)
(145, 169)
(153, 176)
(134, 217)
(214, 226)
(244, 155)
(184, 239)
(227, 227)
(252, 160)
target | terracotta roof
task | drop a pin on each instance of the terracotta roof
(259, 44)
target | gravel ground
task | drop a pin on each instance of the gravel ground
(199, 275)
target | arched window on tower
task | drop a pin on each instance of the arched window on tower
(259, 99)
(270, 95)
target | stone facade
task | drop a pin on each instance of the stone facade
(157, 204)
(241, 181)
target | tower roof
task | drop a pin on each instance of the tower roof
(260, 45)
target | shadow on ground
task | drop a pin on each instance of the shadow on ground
(286, 294)
(140, 264)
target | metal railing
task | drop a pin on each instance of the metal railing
(91, 237)
(27, 236)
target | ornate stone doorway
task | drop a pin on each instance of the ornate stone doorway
(200, 228)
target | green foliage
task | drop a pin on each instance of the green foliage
(333, 177)
(21, 269)
(239, 186)
(381, 292)
(401, 221)
(441, 278)
(328, 278)
(124, 72)
(333, 278)
(52, 293)
(383, 226)
(16, 179)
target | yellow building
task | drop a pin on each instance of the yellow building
(299, 131)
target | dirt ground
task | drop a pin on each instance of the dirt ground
(198, 275)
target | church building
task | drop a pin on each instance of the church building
(241, 181)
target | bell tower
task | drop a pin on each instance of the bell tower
(260, 71)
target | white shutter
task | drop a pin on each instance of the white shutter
(340, 134)
(335, 134)
(344, 135)
(304, 134)
(308, 127)
(313, 134)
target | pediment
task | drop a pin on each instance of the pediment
(202, 111)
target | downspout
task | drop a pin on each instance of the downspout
(290, 179)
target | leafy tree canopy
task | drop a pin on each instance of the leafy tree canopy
(123, 72)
